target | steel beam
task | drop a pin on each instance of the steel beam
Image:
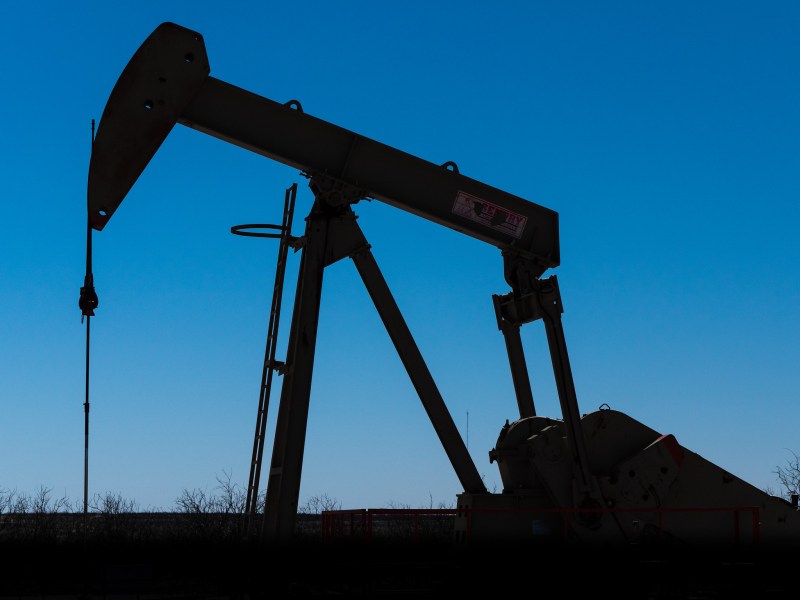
(167, 81)
(549, 298)
(418, 371)
(516, 360)
(283, 480)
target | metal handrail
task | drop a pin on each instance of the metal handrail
(332, 522)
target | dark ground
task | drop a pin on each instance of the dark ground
(235, 569)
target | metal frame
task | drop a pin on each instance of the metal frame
(332, 234)
(167, 82)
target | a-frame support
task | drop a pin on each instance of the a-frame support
(332, 234)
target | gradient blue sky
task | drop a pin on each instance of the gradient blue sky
(664, 133)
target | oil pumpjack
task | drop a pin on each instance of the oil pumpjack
(601, 477)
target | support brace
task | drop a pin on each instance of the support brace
(332, 234)
(418, 371)
(283, 481)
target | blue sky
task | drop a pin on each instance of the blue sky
(664, 133)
